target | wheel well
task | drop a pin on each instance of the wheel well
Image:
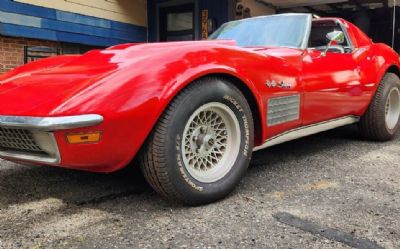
(255, 110)
(394, 69)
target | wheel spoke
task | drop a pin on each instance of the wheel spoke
(210, 142)
(392, 108)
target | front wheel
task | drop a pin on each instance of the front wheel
(381, 121)
(202, 145)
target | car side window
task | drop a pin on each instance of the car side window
(318, 38)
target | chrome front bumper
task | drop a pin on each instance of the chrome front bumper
(50, 123)
(32, 138)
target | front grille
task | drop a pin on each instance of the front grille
(18, 140)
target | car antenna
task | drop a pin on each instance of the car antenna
(394, 23)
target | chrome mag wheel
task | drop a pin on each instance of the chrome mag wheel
(392, 108)
(211, 142)
(201, 147)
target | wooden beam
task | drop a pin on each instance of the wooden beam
(318, 12)
(358, 4)
(338, 11)
(285, 10)
(335, 7)
(269, 5)
(385, 3)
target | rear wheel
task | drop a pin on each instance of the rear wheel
(381, 121)
(202, 145)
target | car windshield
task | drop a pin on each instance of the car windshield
(288, 30)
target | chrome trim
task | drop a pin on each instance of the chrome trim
(306, 38)
(308, 130)
(44, 124)
(50, 123)
(32, 157)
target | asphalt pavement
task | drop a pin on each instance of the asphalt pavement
(330, 190)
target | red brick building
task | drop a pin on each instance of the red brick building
(12, 50)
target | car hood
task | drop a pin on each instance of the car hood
(38, 88)
(47, 83)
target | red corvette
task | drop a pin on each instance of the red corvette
(193, 112)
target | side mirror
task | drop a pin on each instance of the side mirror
(335, 36)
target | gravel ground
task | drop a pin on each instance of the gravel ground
(331, 179)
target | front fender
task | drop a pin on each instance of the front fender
(36, 66)
(133, 98)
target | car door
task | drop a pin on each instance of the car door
(282, 91)
(332, 83)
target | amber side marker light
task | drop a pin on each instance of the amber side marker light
(81, 138)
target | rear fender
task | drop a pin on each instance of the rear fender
(385, 61)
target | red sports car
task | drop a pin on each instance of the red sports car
(193, 112)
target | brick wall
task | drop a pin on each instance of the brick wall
(12, 50)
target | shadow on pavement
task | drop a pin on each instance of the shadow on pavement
(27, 183)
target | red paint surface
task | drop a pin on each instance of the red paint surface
(131, 85)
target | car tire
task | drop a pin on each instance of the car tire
(381, 121)
(202, 145)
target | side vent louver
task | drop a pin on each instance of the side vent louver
(283, 109)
